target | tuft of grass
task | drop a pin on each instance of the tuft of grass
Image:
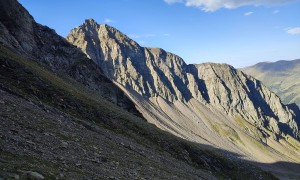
(228, 132)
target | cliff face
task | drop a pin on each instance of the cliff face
(23, 35)
(239, 94)
(153, 72)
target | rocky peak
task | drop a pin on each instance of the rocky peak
(104, 44)
(91, 23)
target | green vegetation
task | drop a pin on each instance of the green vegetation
(252, 131)
(228, 132)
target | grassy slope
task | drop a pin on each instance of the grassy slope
(30, 81)
(283, 81)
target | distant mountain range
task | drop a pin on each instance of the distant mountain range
(84, 108)
(282, 77)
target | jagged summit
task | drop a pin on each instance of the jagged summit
(96, 38)
(90, 24)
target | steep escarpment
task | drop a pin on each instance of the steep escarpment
(20, 33)
(153, 72)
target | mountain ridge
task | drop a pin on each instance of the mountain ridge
(167, 75)
(212, 104)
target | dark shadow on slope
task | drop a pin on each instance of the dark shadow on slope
(257, 98)
(296, 110)
(200, 83)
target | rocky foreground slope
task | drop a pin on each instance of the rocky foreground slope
(282, 77)
(212, 104)
(60, 118)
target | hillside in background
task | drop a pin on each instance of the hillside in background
(282, 77)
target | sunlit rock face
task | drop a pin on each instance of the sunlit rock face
(153, 72)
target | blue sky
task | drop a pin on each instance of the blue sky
(239, 33)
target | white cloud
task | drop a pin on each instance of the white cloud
(213, 5)
(107, 20)
(248, 13)
(293, 31)
(166, 34)
(276, 11)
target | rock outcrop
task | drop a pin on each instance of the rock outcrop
(153, 72)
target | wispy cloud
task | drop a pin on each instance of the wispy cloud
(134, 36)
(248, 13)
(213, 5)
(149, 35)
(107, 20)
(137, 36)
(172, 1)
(141, 36)
(276, 11)
(142, 42)
(293, 31)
